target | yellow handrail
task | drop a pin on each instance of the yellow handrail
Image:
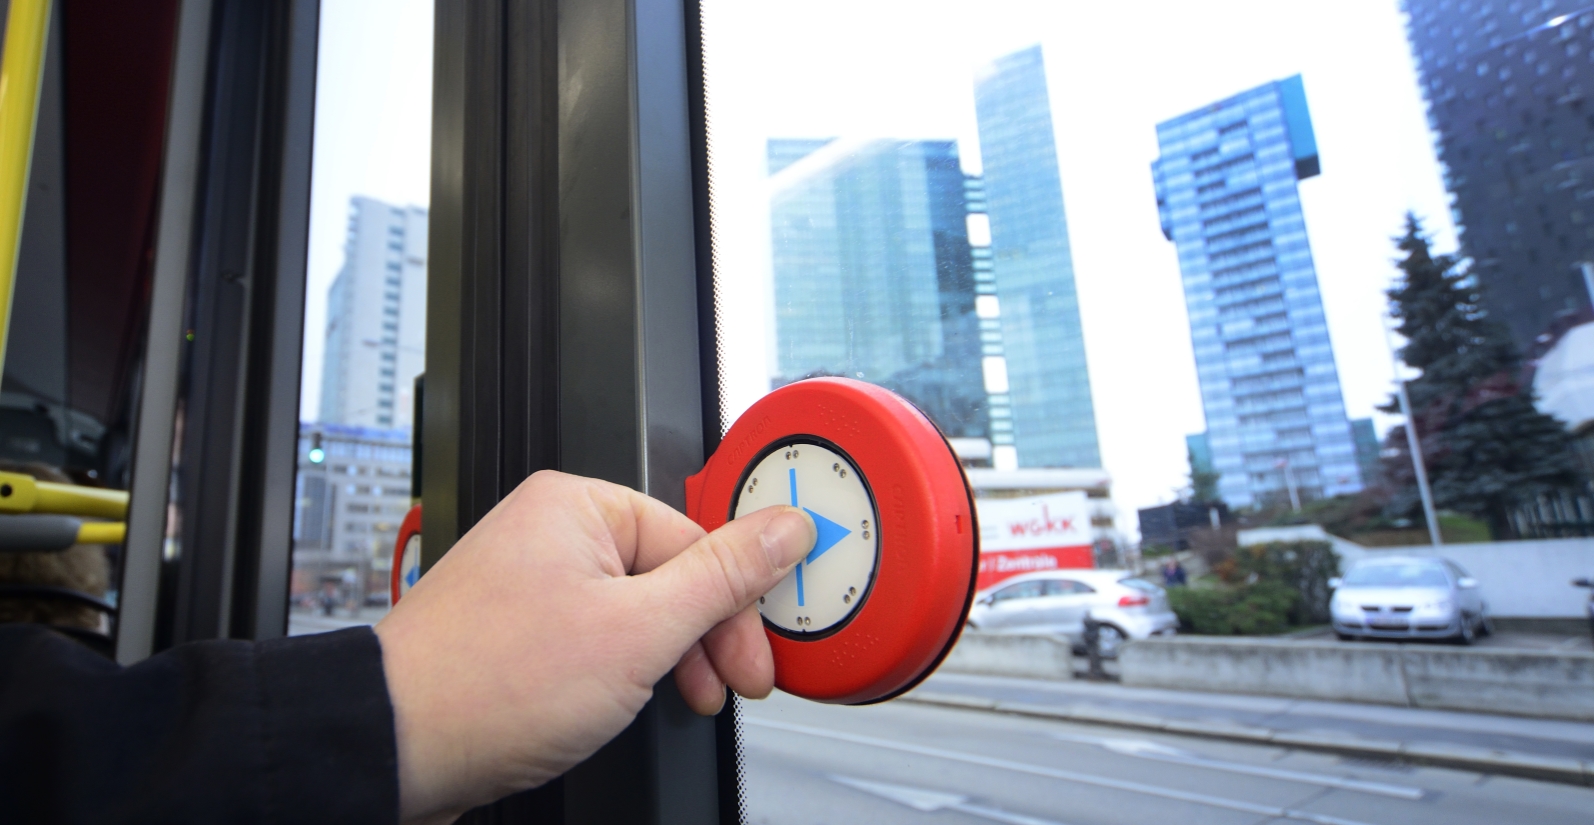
(21, 68)
(102, 532)
(20, 493)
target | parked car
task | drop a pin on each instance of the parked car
(1056, 601)
(1409, 597)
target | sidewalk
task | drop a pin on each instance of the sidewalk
(1552, 750)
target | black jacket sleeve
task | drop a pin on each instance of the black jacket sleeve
(293, 730)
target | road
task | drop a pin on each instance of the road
(810, 764)
(1347, 720)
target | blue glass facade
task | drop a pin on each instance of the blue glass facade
(873, 273)
(1227, 197)
(1053, 416)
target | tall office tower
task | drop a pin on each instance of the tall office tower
(1506, 83)
(376, 318)
(873, 273)
(1054, 418)
(1227, 198)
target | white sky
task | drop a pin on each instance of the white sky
(893, 68)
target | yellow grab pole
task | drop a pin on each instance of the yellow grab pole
(20, 493)
(21, 67)
(102, 532)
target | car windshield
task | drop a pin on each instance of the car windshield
(1416, 574)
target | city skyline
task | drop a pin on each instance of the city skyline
(889, 75)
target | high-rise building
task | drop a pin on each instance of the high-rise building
(1053, 416)
(1506, 83)
(873, 274)
(376, 318)
(1227, 197)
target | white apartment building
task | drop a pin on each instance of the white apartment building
(376, 318)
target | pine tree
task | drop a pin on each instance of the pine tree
(1485, 446)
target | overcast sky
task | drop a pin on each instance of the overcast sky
(872, 68)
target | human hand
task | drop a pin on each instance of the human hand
(540, 635)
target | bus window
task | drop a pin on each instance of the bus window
(1138, 267)
(365, 309)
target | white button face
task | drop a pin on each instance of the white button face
(829, 584)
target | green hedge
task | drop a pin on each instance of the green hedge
(1302, 566)
(1259, 609)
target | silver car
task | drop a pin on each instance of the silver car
(1055, 602)
(1409, 597)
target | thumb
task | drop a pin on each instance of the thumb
(724, 572)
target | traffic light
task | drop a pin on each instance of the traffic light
(317, 454)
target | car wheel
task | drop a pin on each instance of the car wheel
(1344, 637)
(1485, 626)
(1469, 631)
(1109, 641)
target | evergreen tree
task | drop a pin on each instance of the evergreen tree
(1485, 446)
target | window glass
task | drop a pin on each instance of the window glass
(1153, 277)
(1022, 590)
(365, 308)
(1415, 574)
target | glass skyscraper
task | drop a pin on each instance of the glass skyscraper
(1053, 416)
(1506, 84)
(1227, 197)
(873, 273)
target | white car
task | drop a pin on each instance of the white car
(1409, 597)
(1055, 602)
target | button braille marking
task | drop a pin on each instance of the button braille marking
(833, 495)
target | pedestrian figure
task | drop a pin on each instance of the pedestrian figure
(1173, 574)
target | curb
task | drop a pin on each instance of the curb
(1563, 770)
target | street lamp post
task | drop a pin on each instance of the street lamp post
(1289, 483)
(1414, 446)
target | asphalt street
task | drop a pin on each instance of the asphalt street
(1519, 734)
(811, 764)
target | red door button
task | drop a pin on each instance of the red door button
(878, 602)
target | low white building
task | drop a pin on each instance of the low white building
(1028, 482)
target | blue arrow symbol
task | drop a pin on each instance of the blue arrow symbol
(829, 533)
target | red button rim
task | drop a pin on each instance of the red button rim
(929, 539)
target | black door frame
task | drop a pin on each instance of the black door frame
(225, 332)
(569, 320)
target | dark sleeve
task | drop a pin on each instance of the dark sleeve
(292, 730)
